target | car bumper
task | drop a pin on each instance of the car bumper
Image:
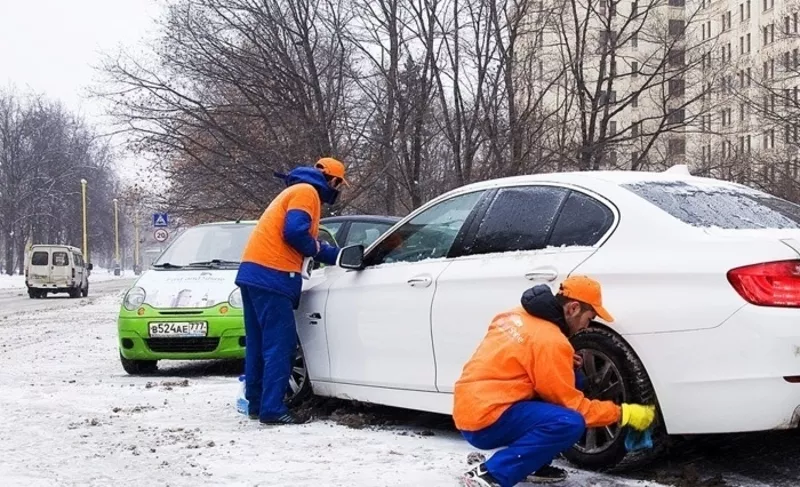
(728, 379)
(225, 338)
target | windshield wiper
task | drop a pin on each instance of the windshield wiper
(214, 262)
(167, 265)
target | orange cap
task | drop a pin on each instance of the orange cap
(586, 290)
(332, 167)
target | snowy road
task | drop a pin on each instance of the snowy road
(71, 416)
(16, 300)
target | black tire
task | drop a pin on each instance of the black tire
(299, 383)
(138, 367)
(601, 347)
(32, 293)
(85, 291)
(75, 292)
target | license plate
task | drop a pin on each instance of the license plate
(179, 329)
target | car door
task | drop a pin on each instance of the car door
(378, 319)
(529, 235)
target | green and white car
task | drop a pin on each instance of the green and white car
(187, 305)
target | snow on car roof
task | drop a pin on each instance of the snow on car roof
(591, 178)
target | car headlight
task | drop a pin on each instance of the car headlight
(134, 298)
(235, 299)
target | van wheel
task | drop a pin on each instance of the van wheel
(85, 291)
(75, 293)
(613, 373)
(138, 367)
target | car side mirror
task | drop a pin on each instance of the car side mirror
(90, 266)
(351, 257)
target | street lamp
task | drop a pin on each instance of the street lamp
(85, 238)
(136, 237)
(116, 232)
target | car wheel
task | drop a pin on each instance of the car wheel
(299, 385)
(613, 373)
(138, 367)
(32, 294)
(85, 291)
(75, 293)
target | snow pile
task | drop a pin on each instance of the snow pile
(71, 416)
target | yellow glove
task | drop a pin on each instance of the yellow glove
(637, 416)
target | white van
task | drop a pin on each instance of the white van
(56, 269)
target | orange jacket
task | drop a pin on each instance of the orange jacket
(521, 358)
(267, 245)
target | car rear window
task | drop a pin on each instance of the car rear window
(728, 207)
(40, 258)
(60, 259)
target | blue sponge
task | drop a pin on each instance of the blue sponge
(638, 440)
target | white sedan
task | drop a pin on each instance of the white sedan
(701, 276)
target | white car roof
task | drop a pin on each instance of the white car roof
(591, 179)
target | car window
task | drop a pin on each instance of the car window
(60, 259)
(716, 205)
(582, 222)
(333, 227)
(518, 219)
(365, 233)
(40, 258)
(428, 235)
(326, 236)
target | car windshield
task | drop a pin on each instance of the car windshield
(207, 246)
(721, 206)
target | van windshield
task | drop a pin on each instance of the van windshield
(207, 246)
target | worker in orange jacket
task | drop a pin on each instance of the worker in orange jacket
(518, 389)
(270, 278)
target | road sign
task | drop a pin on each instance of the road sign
(161, 235)
(160, 220)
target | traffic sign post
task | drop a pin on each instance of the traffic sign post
(161, 235)
(160, 220)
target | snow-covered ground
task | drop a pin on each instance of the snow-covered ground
(71, 416)
(98, 275)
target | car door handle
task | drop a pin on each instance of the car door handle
(314, 316)
(420, 281)
(542, 275)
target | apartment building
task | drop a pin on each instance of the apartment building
(636, 72)
(745, 129)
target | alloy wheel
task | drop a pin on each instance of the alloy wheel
(603, 382)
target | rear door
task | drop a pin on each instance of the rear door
(529, 235)
(60, 267)
(40, 266)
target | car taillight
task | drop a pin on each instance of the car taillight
(769, 283)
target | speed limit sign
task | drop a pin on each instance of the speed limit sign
(161, 235)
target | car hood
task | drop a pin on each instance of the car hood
(187, 289)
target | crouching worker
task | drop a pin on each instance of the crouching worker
(270, 279)
(518, 389)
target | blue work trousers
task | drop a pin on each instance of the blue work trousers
(533, 433)
(271, 344)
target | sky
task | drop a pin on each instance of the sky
(51, 46)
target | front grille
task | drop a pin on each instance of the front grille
(180, 313)
(183, 345)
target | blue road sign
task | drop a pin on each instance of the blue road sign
(160, 220)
